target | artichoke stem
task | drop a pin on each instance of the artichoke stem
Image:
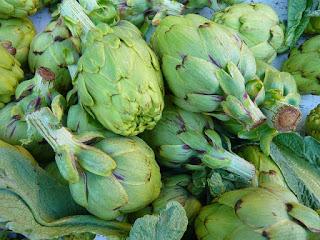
(283, 116)
(220, 158)
(51, 130)
(72, 10)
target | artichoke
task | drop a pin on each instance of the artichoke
(31, 95)
(10, 75)
(186, 139)
(313, 123)
(115, 176)
(18, 8)
(118, 78)
(267, 212)
(281, 97)
(55, 48)
(258, 26)
(303, 64)
(19, 32)
(313, 26)
(206, 66)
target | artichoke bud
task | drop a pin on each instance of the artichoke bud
(106, 85)
(115, 176)
(183, 138)
(18, 34)
(312, 125)
(264, 40)
(10, 75)
(55, 48)
(18, 9)
(246, 218)
(302, 64)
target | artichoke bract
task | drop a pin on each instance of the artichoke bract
(206, 66)
(10, 75)
(55, 48)
(267, 212)
(312, 126)
(118, 77)
(18, 8)
(184, 138)
(303, 64)
(116, 176)
(19, 33)
(258, 26)
(31, 95)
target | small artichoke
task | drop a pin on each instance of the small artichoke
(281, 97)
(31, 95)
(55, 48)
(206, 66)
(113, 177)
(258, 26)
(303, 64)
(313, 123)
(267, 212)
(118, 78)
(18, 32)
(10, 75)
(186, 139)
(18, 8)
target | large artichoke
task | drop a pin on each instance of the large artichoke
(267, 212)
(31, 95)
(115, 176)
(18, 8)
(313, 123)
(258, 26)
(55, 48)
(10, 75)
(206, 66)
(19, 32)
(303, 64)
(119, 81)
(186, 139)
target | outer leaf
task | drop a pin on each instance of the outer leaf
(170, 224)
(298, 160)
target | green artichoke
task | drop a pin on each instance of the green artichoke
(19, 32)
(281, 97)
(267, 212)
(313, 123)
(206, 66)
(313, 26)
(10, 75)
(258, 26)
(303, 64)
(55, 48)
(186, 139)
(115, 176)
(18, 8)
(118, 78)
(31, 95)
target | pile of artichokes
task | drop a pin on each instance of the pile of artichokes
(148, 112)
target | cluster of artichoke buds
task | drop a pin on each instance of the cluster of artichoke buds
(115, 176)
